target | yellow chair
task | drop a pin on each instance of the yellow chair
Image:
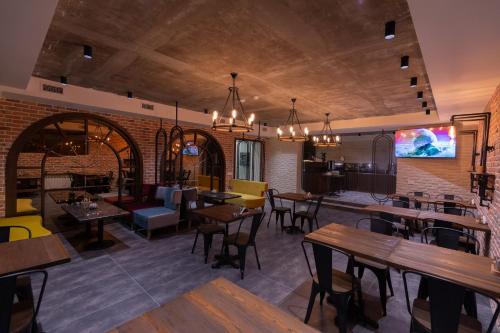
(32, 222)
(25, 207)
(204, 183)
(252, 193)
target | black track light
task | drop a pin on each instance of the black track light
(205, 111)
(428, 111)
(87, 52)
(424, 105)
(63, 80)
(265, 124)
(130, 95)
(405, 62)
(420, 94)
(390, 30)
(413, 82)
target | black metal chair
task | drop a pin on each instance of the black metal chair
(419, 194)
(341, 287)
(279, 211)
(442, 312)
(242, 240)
(310, 215)
(397, 219)
(456, 209)
(451, 239)
(208, 230)
(5, 231)
(382, 272)
(18, 308)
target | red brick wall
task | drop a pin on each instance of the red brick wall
(15, 116)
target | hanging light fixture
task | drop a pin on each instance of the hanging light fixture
(326, 138)
(293, 128)
(235, 120)
(405, 62)
(390, 30)
(413, 82)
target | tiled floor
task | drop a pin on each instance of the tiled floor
(98, 291)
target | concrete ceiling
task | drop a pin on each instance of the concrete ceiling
(460, 41)
(330, 54)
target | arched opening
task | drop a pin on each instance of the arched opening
(72, 152)
(203, 162)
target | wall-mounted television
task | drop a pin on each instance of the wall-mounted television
(433, 142)
(190, 150)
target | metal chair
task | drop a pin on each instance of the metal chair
(340, 286)
(279, 211)
(6, 229)
(419, 194)
(309, 215)
(451, 239)
(242, 240)
(19, 316)
(208, 230)
(442, 313)
(455, 209)
(382, 272)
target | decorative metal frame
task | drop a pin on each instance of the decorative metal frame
(381, 137)
(234, 124)
(161, 168)
(176, 132)
(326, 138)
(290, 124)
(27, 135)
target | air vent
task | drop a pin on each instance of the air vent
(148, 106)
(53, 89)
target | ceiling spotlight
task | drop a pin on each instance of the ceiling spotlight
(205, 111)
(413, 82)
(130, 95)
(405, 62)
(390, 30)
(424, 104)
(87, 52)
(428, 111)
(420, 94)
(265, 124)
(63, 80)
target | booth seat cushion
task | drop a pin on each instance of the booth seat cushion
(248, 187)
(247, 200)
(203, 183)
(32, 222)
(133, 206)
(25, 206)
(156, 217)
(114, 199)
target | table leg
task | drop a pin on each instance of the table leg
(487, 239)
(293, 229)
(101, 243)
(226, 258)
(88, 229)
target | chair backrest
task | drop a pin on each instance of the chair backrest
(270, 196)
(256, 222)
(389, 217)
(316, 205)
(458, 210)
(450, 239)
(323, 255)
(5, 231)
(8, 291)
(401, 203)
(248, 187)
(379, 225)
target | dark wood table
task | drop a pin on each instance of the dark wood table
(218, 306)
(408, 213)
(225, 214)
(104, 211)
(434, 201)
(295, 197)
(63, 196)
(24, 255)
(462, 268)
(218, 197)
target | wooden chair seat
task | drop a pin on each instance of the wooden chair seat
(421, 314)
(282, 209)
(305, 214)
(210, 229)
(237, 239)
(342, 282)
(370, 263)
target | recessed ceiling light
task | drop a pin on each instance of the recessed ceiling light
(130, 95)
(63, 80)
(390, 30)
(424, 104)
(405, 62)
(420, 94)
(428, 111)
(413, 82)
(87, 52)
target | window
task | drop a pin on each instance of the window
(249, 160)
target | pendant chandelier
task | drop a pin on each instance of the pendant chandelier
(327, 138)
(232, 119)
(293, 128)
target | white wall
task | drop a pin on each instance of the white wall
(283, 165)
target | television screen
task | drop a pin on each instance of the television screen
(190, 150)
(434, 142)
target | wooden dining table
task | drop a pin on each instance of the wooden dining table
(407, 213)
(434, 201)
(217, 306)
(295, 197)
(465, 269)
